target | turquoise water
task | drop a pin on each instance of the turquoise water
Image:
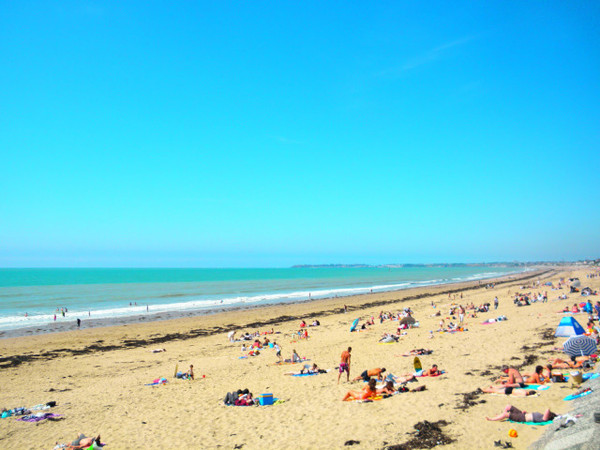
(105, 293)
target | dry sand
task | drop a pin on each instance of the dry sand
(100, 390)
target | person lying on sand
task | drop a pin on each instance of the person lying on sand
(418, 352)
(516, 415)
(81, 442)
(367, 374)
(307, 369)
(388, 389)
(434, 371)
(573, 364)
(368, 391)
(509, 391)
(514, 378)
(537, 377)
(388, 338)
(158, 350)
(402, 379)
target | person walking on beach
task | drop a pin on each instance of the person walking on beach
(78, 322)
(496, 302)
(461, 314)
(55, 317)
(345, 364)
(277, 351)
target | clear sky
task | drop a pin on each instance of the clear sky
(259, 133)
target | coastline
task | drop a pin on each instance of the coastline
(98, 375)
(65, 326)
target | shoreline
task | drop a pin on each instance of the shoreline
(161, 312)
(99, 376)
(90, 323)
(332, 305)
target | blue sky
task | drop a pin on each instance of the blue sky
(219, 134)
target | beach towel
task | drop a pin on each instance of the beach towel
(276, 401)
(158, 381)
(38, 417)
(367, 400)
(533, 423)
(585, 376)
(287, 362)
(535, 387)
(568, 398)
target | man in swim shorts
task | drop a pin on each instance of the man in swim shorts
(345, 364)
(367, 374)
(514, 379)
(516, 415)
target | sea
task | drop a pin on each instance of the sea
(32, 297)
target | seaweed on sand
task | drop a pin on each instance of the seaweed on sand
(428, 435)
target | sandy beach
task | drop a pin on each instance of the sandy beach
(97, 376)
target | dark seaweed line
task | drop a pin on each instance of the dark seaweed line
(16, 360)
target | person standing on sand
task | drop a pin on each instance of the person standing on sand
(277, 351)
(78, 322)
(345, 364)
(495, 302)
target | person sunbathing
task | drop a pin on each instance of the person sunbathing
(83, 442)
(537, 377)
(509, 391)
(369, 391)
(514, 378)
(367, 374)
(388, 389)
(388, 338)
(575, 363)
(418, 352)
(516, 415)
(307, 369)
(433, 372)
(402, 379)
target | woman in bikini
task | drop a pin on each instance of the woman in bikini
(537, 377)
(369, 391)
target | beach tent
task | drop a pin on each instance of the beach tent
(568, 326)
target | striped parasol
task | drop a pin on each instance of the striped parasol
(580, 346)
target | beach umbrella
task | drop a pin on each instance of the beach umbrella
(575, 282)
(408, 321)
(579, 346)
